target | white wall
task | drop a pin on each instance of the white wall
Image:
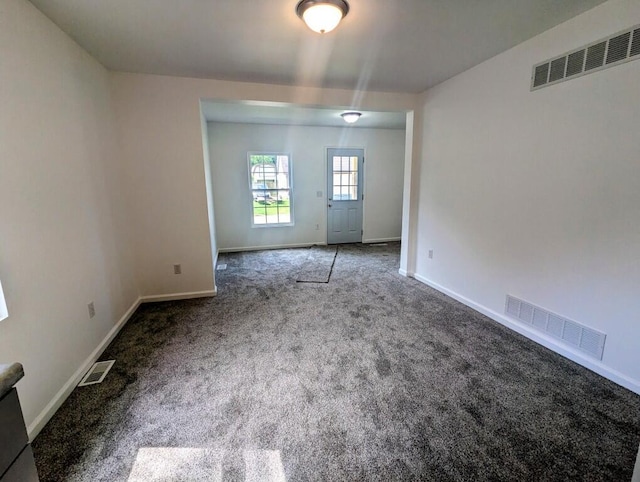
(537, 194)
(159, 125)
(213, 238)
(63, 240)
(383, 177)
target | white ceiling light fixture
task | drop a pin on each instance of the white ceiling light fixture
(322, 16)
(351, 117)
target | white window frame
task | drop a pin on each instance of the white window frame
(252, 189)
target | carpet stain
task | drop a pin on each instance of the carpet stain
(383, 365)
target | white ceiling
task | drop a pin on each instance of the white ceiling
(385, 45)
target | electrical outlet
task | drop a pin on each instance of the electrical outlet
(431, 254)
(92, 310)
(317, 227)
(177, 269)
(318, 193)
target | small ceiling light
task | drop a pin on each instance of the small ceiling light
(322, 16)
(350, 117)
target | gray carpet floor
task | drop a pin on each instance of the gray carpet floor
(318, 266)
(371, 376)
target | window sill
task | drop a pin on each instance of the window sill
(282, 225)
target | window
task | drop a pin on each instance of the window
(270, 183)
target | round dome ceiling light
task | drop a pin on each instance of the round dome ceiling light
(322, 16)
(351, 117)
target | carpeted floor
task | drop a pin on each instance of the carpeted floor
(319, 265)
(371, 376)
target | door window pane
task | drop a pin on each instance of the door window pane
(345, 178)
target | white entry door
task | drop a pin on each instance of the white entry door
(344, 207)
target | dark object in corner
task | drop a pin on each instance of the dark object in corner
(16, 458)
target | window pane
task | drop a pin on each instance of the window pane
(282, 180)
(259, 214)
(345, 178)
(282, 172)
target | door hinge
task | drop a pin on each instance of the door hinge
(363, 197)
(361, 232)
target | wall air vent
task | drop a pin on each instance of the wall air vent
(575, 61)
(618, 48)
(556, 72)
(570, 332)
(541, 75)
(614, 50)
(635, 44)
(595, 56)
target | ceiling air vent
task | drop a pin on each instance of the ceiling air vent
(570, 332)
(617, 49)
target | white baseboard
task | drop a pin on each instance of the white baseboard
(45, 415)
(381, 240)
(179, 296)
(271, 246)
(405, 273)
(540, 338)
